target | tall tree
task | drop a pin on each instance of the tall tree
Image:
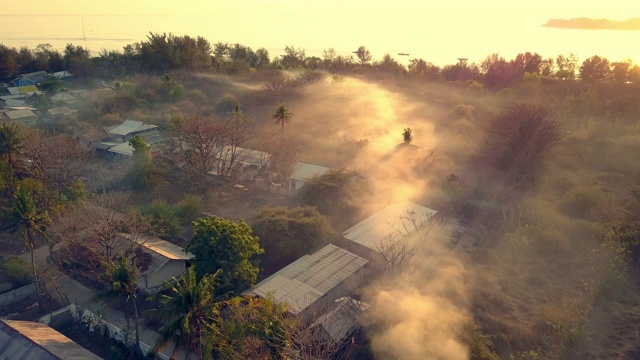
(123, 287)
(286, 234)
(595, 68)
(223, 244)
(31, 221)
(197, 140)
(407, 135)
(10, 142)
(519, 137)
(363, 55)
(283, 116)
(189, 309)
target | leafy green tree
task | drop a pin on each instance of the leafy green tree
(189, 309)
(331, 192)
(286, 234)
(123, 288)
(30, 221)
(145, 174)
(252, 328)
(620, 71)
(595, 68)
(282, 115)
(219, 243)
(164, 216)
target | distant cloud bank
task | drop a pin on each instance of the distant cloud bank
(595, 24)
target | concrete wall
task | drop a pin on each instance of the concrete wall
(154, 282)
(77, 313)
(16, 295)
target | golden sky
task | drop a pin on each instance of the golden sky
(429, 29)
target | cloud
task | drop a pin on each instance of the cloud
(595, 24)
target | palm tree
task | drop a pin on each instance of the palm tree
(31, 221)
(282, 116)
(10, 141)
(407, 135)
(190, 309)
(123, 287)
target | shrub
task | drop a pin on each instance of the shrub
(189, 208)
(163, 215)
(18, 270)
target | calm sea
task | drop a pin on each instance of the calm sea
(440, 46)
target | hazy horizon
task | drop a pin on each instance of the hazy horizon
(439, 33)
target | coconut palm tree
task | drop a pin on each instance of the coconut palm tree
(407, 135)
(30, 221)
(123, 287)
(10, 141)
(190, 308)
(282, 116)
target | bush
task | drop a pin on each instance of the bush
(226, 104)
(163, 215)
(19, 271)
(189, 208)
(584, 201)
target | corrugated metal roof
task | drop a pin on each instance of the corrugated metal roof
(341, 321)
(310, 277)
(36, 341)
(398, 218)
(20, 114)
(122, 149)
(246, 156)
(14, 102)
(305, 171)
(161, 247)
(130, 126)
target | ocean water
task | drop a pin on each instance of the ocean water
(435, 44)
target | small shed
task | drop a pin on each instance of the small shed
(167, 261)
(313, 281)
(62, 110)
(394, 222)
(28, 340)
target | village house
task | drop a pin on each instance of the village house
(117, 145)
(167, 261)
(311, 283)
(292, 186)
(395, 222)
(32, 78)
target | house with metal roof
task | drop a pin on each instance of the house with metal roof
(32, 78)
(314, 281)
(128, 129)
(28, 340)
(391, 224)
(61, 110)
(246, 162)
(167, 261)
(24, 90)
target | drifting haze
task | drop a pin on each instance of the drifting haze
(595, 24)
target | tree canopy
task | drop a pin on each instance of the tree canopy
(221, 244)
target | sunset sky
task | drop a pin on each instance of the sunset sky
(433, 30)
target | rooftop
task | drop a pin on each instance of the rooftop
(20, 114)
(36, 341)
(305, 171)
(400, 219)
(130, 126)
(341, 321)
(307, 279)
